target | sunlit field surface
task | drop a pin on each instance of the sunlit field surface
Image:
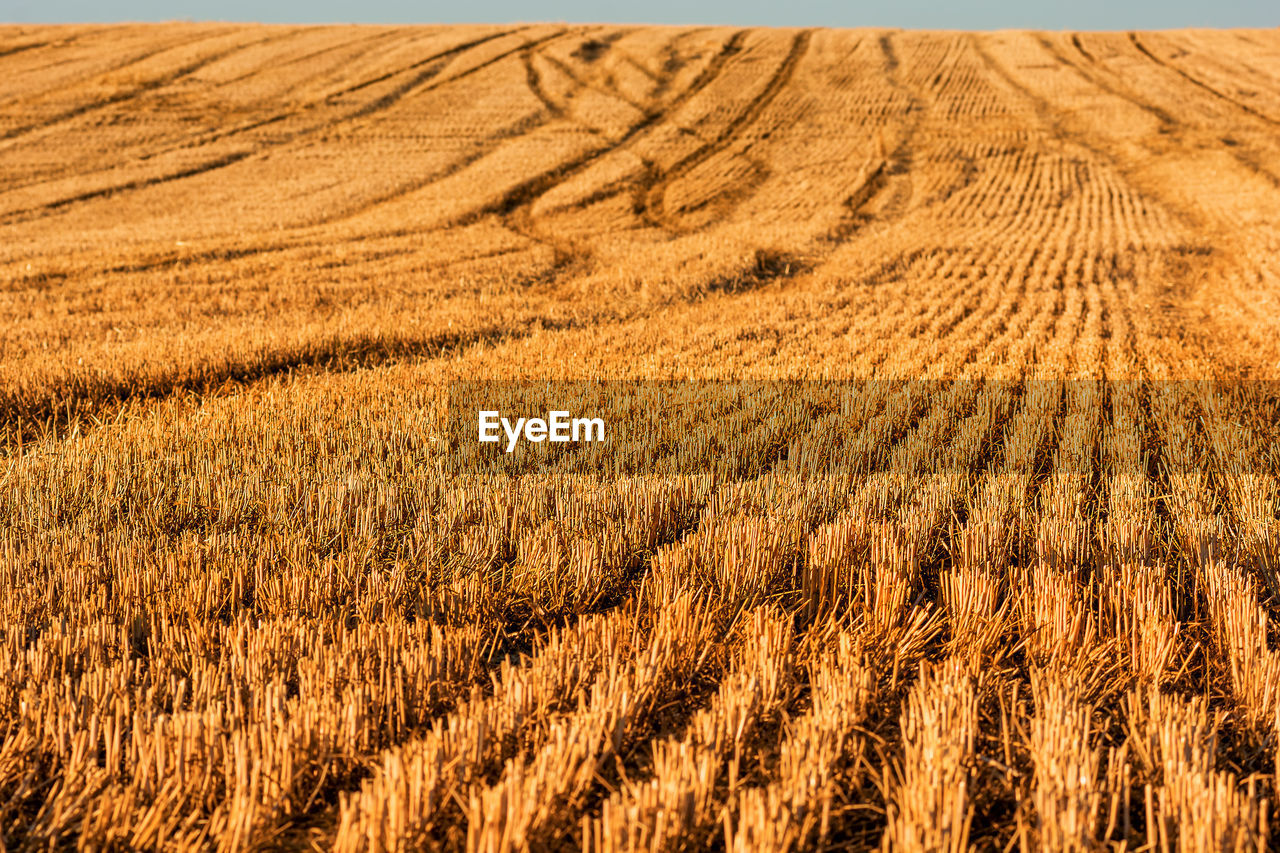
(988, 556)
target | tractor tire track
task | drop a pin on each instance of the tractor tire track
(1169, 123)
(48, 280)
(1195, 81)
(318, 52)
(131, 60)
(139, 184)
(22, 48)
(255, 124)
(1079, 46)
(485, 146)
(564, 252)
(580, 84)
(223, 161)
(434, 65)
(773, 267)
(513, 208)
(1167, 120)
(136, 92)
(1054, 122)
(79, 404)
(533, 80)
(529, 191)
(653, 200)
(896, 162)
(331, 97)
(209, 137)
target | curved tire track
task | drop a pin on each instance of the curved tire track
(1195, 81)
(653, 201)
(528, 191)
(137, 91)
(132, 59)
(434, 65)
(1170, 124)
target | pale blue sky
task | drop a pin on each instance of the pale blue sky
(939, 14)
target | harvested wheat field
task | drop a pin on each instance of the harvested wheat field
(939, 508)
